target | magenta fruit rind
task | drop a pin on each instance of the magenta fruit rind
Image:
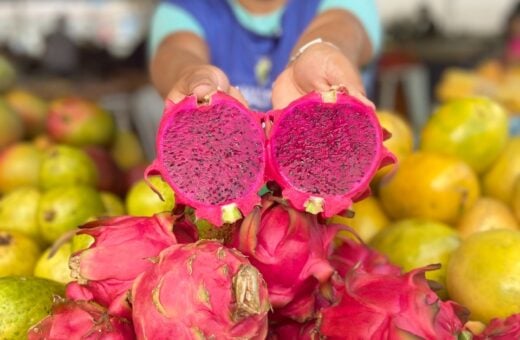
(327, 204)
(233, 208)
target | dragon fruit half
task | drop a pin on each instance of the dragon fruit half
(200, 290)
(123, 248)
(324, 149)
(290, 249)
(81, 320)
(389, 306)
(212, 155)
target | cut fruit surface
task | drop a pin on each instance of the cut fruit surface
(212, 155)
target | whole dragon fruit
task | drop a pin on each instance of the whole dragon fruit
(323, 150)
(123, 248)
(212, 155)
(81, 320)
(351, 254)
(290, 249)
(389, 306)
(201, 290)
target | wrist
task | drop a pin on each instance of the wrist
(311, 45)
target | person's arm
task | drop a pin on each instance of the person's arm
(337, 61)
(180, 60)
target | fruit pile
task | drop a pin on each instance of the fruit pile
(253, 226)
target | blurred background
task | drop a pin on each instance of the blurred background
(97, 49)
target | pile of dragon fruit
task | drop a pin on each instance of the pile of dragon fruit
(268, 265)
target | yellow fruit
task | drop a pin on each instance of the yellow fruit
(114, 206)
(484, 274)
(23, 302)
(486, 214)
(457, 83)
(19, 166)
(18, 254)
(66, 208)
(416, 243)
(500, 180)
(126, 150)
(368, 220)
(516, 201)
(432, 186)
(472, 129)
(32, 110)
(18, 211)
(401, 142)
(54, 263)
(141, 200)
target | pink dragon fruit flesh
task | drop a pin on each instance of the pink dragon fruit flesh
(201, 290)
(290, 248)
(123, 248)
(81, 320)
(389, 306)
(323, 150)
(212, 155)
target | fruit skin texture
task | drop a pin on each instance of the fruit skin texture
(18, 211)
(81, 320)
(65, 165)
(219, 143)
(18, 254)
(352, 254)
(383, 306)
(53, 264)
(472, 129)
(501, 329)
(65, 208)
(19, 166)
(23, 302)
(483, 274)
(142, 201)
(131, 242)
(486, 214)
(431, 186)
(340, 140)
(290, 249)
(369, 218)
(79, 122)
(500, 179)
(416, 243)
(32, 110)
(11, 126)
(200, 290)
(400, 144)
(293, 330)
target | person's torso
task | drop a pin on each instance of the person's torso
(251, 61)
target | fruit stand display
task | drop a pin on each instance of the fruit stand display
(319, 221)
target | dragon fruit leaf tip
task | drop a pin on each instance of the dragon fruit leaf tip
(212, 155)
(324, 154)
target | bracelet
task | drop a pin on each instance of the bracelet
(309, 44)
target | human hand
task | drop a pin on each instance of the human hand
(202, 81)
(318, 68)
